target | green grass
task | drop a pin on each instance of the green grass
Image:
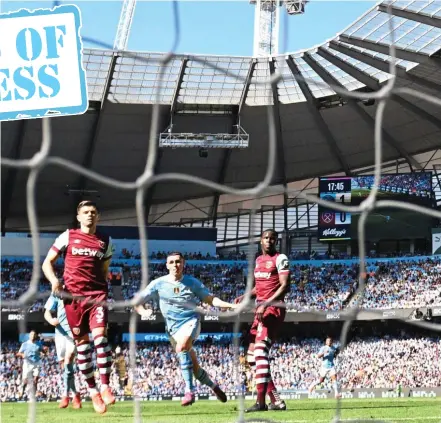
(413, 410)
(360, 192)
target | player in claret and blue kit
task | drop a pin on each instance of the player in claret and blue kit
(87, 254)
(271, 284)
(327, 353)
(179, 295)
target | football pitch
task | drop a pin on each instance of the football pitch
(412, 410)
(360, 192)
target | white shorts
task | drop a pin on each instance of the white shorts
(327, 372)
(190, 329)
(64, 346)
(30, 371)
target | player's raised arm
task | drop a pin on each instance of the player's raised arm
(47, 267)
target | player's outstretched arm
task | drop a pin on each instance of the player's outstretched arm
(144, 311)
(241, 297)
(217, 302)
(142, 297)
(49, 272)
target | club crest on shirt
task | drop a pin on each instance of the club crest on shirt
(268, 264)
(176, 290)
(102, 244)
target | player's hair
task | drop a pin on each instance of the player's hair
(86, 203)
(176, 253)
(273, 231)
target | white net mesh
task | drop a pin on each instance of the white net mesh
(42, 159)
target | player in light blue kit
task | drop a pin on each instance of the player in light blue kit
(65, 347)
(31, 352)
(328, 353)
(178, 296)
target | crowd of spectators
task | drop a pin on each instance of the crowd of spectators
(375, 362)
(415, 183)
(402, 285)
(294, 255)
(314, 286)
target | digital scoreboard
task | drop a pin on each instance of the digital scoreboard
(334, 225)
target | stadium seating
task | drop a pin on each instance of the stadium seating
(316, 284)
(368, 363)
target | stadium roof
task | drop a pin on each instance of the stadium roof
(318, 131)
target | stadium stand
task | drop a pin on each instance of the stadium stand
(383, 362)
(316, 285)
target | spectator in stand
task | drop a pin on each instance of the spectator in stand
(375, 362)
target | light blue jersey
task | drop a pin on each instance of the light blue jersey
(328, 358)
(54, 304)
(177, 300)
(31, 351)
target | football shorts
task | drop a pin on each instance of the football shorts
(325, 371)
(30, 370)
(84, 316)
(191, 329)
(64, 345)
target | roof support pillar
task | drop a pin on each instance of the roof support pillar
(318, 119)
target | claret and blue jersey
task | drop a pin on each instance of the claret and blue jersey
(177, 300)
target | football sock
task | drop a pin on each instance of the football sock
(263, 375)
(272, 392)
(84, 361)
(202, 376)
(69, 380)
(187, 369)
(103, 359)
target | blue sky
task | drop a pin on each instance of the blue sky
(207, 27)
